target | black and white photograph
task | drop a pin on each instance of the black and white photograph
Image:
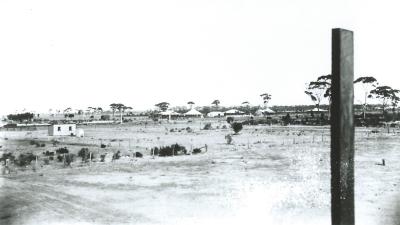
(199, 112)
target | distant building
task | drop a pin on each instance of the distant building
(62, 130)
(234, 113)
(215, 114)
(193, 113)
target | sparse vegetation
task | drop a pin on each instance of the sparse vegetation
(237, 127)
(174, 149)
(207, 126)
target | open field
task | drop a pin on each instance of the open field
(268, 175)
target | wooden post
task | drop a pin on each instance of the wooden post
(342, 129)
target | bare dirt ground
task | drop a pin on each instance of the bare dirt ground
(269, 175)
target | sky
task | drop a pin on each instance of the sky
(78, 53)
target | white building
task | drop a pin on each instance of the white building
(62, 130)
(193, 113)
(215, 114)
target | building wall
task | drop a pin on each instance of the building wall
(62, 130)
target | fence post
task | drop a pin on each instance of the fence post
(342, 129)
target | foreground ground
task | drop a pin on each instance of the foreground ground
(269, 175)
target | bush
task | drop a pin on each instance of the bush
(196, 151)
(6, 156)
(117, 155)
(62, 150)
(47, 153)
(84, 154)
(102, 146)
(174, 149)
(43, 145)
(230, 119)
(237, 127)
(25, 159)
(207, 126)
(69, 158)
(138, 155)
(55, 142)
(224, 127)
(228, 139)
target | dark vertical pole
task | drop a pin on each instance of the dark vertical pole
(342, 129)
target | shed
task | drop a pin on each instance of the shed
(62, 130)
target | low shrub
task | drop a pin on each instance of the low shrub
(84, 154)
(25, 159)
(6, 156)
(228, 139)
(138, 155)
(207, 126)
(47, 153)
(196, 151)
(103, 146)
(174, 149)
(230, 119)
(117, 155)
(69, 158)
(62, 150)
(237, 127)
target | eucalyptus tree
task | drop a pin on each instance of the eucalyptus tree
(368, 84)
(319, 89)
(216, 103)
(266, 98)
(190, 103)
(163, 106)
(386, 94)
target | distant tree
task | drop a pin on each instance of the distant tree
(368, 84)
(67, 111)
(266, 98)
(21, 117)
(99, 110)
(319, 89)
(163, 106)
(114, 107)
(190, 103)
(216, 103)
(394, 100)
(122, 109)
(246, 104)
(385, 94)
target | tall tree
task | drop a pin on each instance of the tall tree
(320, 89)
(368, 84)
(122, 108)
(114, 107)
(163, 106)
(266, 98)
(246, 104)
(385, 94)
(190, 103)
(216, 103)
